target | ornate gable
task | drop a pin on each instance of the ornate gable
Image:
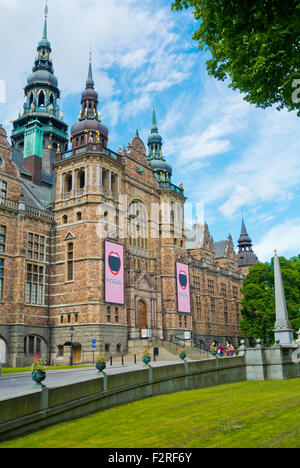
(145, 283)
(70, 236)
(137, 150)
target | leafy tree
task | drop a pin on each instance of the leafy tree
(259, 298)
(254, 43)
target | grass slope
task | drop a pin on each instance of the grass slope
(248, 414)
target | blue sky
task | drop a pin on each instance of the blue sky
(229, 155)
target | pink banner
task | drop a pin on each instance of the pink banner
(114, 273)
(183, 288)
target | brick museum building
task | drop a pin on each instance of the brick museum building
(78, 219)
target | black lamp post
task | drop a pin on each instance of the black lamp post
(71, 355)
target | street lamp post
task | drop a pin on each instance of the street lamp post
(71, 355)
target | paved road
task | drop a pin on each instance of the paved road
(12, 385)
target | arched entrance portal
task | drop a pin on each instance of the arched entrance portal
(2, 351)
(141, 316)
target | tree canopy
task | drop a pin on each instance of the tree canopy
(259, 298)
(256, 44)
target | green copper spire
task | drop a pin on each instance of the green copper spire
(162, 170)
(41, 126)
(154, 128)
(44, 43)
(155, 140)
(90, 81)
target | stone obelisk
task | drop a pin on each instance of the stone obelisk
(283, 330)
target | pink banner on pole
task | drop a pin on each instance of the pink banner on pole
(114, 273)
(183, 288)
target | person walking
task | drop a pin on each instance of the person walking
(220, 350)
(213, 348)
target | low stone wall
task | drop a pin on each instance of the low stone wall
(53, 405)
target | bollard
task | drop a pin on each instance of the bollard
(122, 360)
(111, 360)
(135, 359)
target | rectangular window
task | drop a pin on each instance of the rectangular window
(185, 321)
(223, 290)
(38, 345)
(235, 293)
(1, 277)
(225, 311)
(213, 309)
(36, 247)
(2, 238)
(198, 308)
(117, 315)
(196, 283)
(210, 287)
(237, 311)
(31, 345)
(70, 262)
(3, 190)
(35, 285)
(108, 314)
(180, 321)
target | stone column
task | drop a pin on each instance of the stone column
(283, 330)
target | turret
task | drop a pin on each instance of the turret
(89, 128)
(246, 256)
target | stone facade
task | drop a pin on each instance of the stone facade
(57, 207)
(40, 302)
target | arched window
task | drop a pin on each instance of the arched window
(34, 345)
(31, 99)
(79, 216)
(65, 219)
(51, 99)
(81, 179)
(138, 225)
(41, 98)
(68, 183)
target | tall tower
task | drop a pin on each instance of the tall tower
(172, 235)
(156, 159)
(39, 132)
(246, 256)
(89, 128)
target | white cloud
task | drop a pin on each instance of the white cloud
(284, 237)
(134, 45)
(203, 125)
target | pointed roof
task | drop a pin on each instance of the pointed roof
(283, 330)
(155, 138)
(90, 81)
(44, 43)
(246, 256)
(244, 239)
(154, 128)
(89, 119)
(155, 156)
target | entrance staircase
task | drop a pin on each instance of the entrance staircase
(167, 350)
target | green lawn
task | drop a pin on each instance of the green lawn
(248, 414)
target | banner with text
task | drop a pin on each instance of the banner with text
(183, 288)
(114, 273)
